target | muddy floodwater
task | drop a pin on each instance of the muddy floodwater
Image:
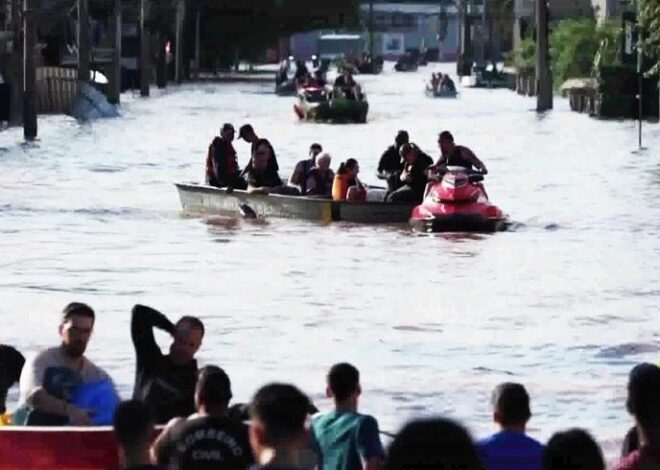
(566, 303)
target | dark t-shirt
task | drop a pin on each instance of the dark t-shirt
(11, 365)
(344, 82)
(390, 161)
(168, 388)
(206, 443)
(263, 178)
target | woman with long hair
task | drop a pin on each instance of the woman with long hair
(347, 186)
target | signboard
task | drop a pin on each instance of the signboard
(393, 44)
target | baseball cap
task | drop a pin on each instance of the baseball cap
(214, 383)
(227, 127)
(402, 135)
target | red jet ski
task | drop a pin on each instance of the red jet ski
(458, 203)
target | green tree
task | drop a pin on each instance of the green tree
(650, 22)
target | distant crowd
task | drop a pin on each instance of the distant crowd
(285, 431)
(404, 166)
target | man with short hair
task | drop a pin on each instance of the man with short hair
(166, 382)
(277, 427)
(457, 155)
(391, 165)
(511, 448)
(643, 403)
(346, 439)
(303, 167)
(246, 132)
(133, 426)
(208, 439)
(222, 168)
(50, 379)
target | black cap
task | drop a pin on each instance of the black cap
(644, 389)
(226, 127)
(402, 136)
(245, 128)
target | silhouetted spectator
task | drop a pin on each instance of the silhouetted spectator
(278, 436)
(432, 444)
(574, 449)
(644, 404)
(208, 439)
(511, 449)
(134, 430)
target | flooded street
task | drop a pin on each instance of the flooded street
(565, 304)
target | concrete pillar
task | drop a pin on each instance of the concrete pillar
(180, 18)
(16, 64)
(145, 63)
(114, 89)
(543, 74)
(30, 11)
(83, 40)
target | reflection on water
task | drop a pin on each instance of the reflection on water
(565, 302)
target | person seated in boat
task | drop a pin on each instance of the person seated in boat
(391, 164)
(346, 86)
(321, 177)
(261, 179)
(11, 365)
(49, 379)
(301, 170)
(166, 382)
(246, 133)
(435, 81)
(221, 163)
(346, 185)
(209, 439)
(413, 177)
(133, 427)
(456, 155)
(447, 84)
(301, 72)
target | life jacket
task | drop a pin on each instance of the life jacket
(340, 187)
(229, 160)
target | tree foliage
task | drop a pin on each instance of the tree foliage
(650, 23)
(575, 43)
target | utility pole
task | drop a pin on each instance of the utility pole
(83, 40)
(371, 29)
(16, 63)
(543, 74)
(178, 60)
(198, 31)
(114, 90)
(640, 77)
(30, 11)
(145, 65)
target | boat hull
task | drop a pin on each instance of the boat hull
(26, 447)
(337, 110)
(441, 94)
(203, 199)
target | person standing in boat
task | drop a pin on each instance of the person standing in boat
(320, 177)
(346, 85)
(346, 185)
(246, 132)
(209, 439)
(50, 379)
(221, 163)
(390, 164)
(456, 155)
(166, 382)
(11, 365)
(261, 179)
(413, 177)
(301, 171)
